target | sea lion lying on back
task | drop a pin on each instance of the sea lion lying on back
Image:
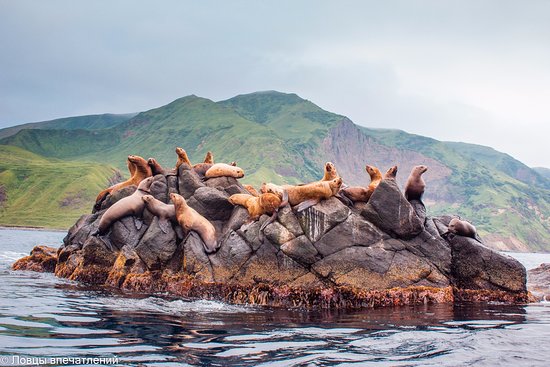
(130, 205)
(306, 195)
(139, 170)
(190, 220)
(415, 186)
(363, 194)
(224, 170)
(267, 203)
(462, 228)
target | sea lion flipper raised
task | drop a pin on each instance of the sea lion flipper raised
(306, 204)
(164, 225)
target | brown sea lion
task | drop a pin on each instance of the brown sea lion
(330, 172)
(165, 212)
(462, 228)
(391, 173)
(363, 194)
(258, 205)
(157, 169)
(251, 190)
(306, 195)
(209, 158)
(182, 158)
(415, 186)
(190, 220)
(224, 170)
(140, 169)
(130, 205)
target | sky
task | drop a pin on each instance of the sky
(474, 71)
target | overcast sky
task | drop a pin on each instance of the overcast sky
(474, 71)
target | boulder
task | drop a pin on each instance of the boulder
(159, 188)
(188, 181)
(319, 219)
(211, 203)
(391, 212)
(156, 247)
(539, 282)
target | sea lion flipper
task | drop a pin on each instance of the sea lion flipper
(269, 221)
(138, 223)
(306, 204)
(284, 202)
(164, 225)
(344, 198)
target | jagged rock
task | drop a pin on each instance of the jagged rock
(233, 253)
(211, 203)
(80, 231)
(419, 209)
(276, 233)
(434, 248)
(356, 231)
(42, 259)
(319, 219)
(390, 211)
(97, 252)
(475, 266)
(172, 183)
(156, 247)
(252, 233)
(228, 184)
(301, 250)
(126, 232)
(188, 181)
(539, 282)
(287, 218)
(238, 217)
(159, 188)
(195, 261)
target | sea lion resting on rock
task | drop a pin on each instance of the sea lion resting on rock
(267, 203)
(182, 158)
(462, 228)
(190, 220)
(363, 194)
(165, 212)
(139, 170)
(306, 195)
(130, 205)
(415, 186)
(251, 190)
(224, 170)
(391, 173)
(201, 168)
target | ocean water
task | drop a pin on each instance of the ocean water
(45, 320)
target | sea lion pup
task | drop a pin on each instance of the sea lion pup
(267, 203)
(391, 173)
(251, 190)
(224, 170)
(306, 195)
(165, 212)
(182, 158)
(359, 193)
(462, 228)
(415, 186)
(139, 169)
(190, 220)
(130, 205)
(157, 169)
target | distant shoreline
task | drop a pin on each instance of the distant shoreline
(31, 228)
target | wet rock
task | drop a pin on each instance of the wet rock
(301, 250)
(354, 231)
(156, 247)
(319, 219)
(475, 266)
(391, 212)
(42, 259)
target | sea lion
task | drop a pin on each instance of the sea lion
(224, 170)
(165, 212)
(182, 158)
(130, 205)
(415, 186)
(391, 173)
(190, 220)
(138, 167)
(330, 172)
(359, 193)
(251, 190)
(157, 169)
(209, 158)
(306, 195)
(267, 203)
(462, 228)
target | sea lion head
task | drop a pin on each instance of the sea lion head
(372, 171)
(152, 162)
(237, 172)
(136, 159)
(335, 185)
(420, 169)
(329, 167)
(391, 172)
(270, 202)
(453, 224)
(147, 199)
(209, 157)
(234, 164)
(145, 184)
(176, 198)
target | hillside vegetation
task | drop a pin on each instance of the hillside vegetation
(281, 138)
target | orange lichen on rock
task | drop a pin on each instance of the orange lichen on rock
(42, 259)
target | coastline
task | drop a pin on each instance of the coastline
(32, 228)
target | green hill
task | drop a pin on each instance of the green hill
(280, 137)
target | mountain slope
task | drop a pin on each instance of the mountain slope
(281, 138)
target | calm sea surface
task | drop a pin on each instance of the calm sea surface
(49, 318)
